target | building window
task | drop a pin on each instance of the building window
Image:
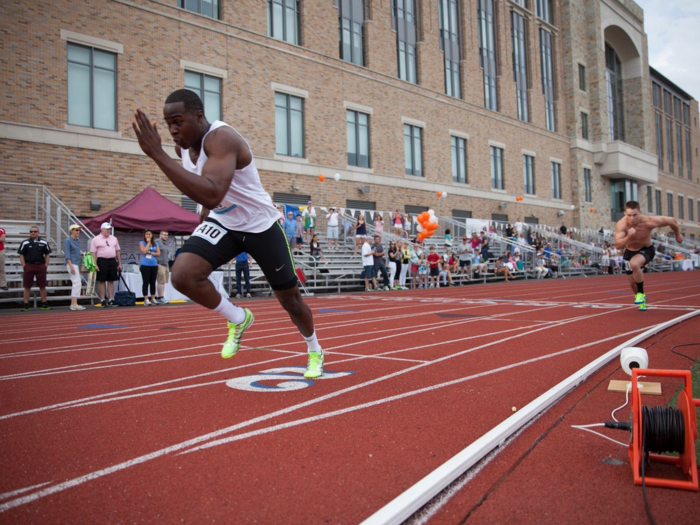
(448, 15)
(413, 147)
(613, 80)
(487, 52)
(688, 156)
(358, 138)
(544, 10)
(520, 64)
(92, 87)
(691, 210)
(669, 138)
(676, 108)
(686, 114)
(650, 200)
(209, 90)
(497, 182)
(404, 22)
(657, 200)
(587, 185)
(621, 191)
(667, 102)
(556, 180)
(669, 203)
(203, 7)
(656, 92)
(459, 159)
(351, 14)
(283, 20)
(659, 139)
(584, 125)
(681, 211)
(547, 78)
(289, 125)
(679, 141)
(582, 77)
(529, 174)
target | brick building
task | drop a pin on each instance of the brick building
(486, 100)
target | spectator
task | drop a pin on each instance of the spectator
(243, 266)
(509, 231)
(416, 252)
(360, 232)
(519, 227)
(368, 264)
(332, 219)
(502, 269)
(34, 256)
(315, 251)
(422, 271)
(106, 252)
(309, 216)
(434, 262)
(379, 263)
(451, 259)
(553, 265)
(405, 263)
(300, 236)
(445, 272)
(281, 212)
(408, 225)
(3, 278)
(394, 262)
(540, 270)
(485, 247)
(562, 228)
(149, 266)
(165, 244)
(464, 255)
(290, 230)
(479, 265)
(379, 225)
(397, 223)
(475, 241)
(448, 239)
(71, 251)
(605, 259)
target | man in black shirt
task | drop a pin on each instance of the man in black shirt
(34, 257)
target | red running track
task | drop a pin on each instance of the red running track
(130, 415)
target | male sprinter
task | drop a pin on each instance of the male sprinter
(218, 171)
(633, 232)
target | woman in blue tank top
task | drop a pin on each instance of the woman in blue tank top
(149, 266)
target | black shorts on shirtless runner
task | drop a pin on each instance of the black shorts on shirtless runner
(648, 252)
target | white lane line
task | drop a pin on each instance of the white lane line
(101, 397)
(215, 434)
(397, 397)
(12, 493)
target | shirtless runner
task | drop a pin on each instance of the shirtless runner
(633, 234)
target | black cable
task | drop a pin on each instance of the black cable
(683, 355)
(663, 430)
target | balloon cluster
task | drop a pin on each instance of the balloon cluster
(442, 194)
(427, 224)
(322, 177)
(519, 198)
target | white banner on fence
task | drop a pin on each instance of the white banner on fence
(476, 225)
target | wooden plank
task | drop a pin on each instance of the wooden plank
(653, 389)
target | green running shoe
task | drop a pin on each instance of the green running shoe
(314, 369)
(643, 307)
(45, 306)
(235, 333)
(640, 298)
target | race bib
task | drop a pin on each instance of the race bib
(210, 232)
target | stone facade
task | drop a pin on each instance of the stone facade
(155, 41)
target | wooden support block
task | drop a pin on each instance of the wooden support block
(653, 389)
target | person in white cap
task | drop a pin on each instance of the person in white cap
(71, 251)
(107, 254)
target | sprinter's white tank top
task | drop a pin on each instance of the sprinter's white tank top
(247, 206)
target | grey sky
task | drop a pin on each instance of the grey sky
(673, 31)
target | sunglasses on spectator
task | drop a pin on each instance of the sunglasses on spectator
(33, 231)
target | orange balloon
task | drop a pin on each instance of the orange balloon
(592, 210)
(432, 226)
(439, 194)
(321, 177)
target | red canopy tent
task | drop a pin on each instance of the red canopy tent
(149, 209)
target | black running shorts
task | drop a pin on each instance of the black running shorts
(648, 252)
(218, 245)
